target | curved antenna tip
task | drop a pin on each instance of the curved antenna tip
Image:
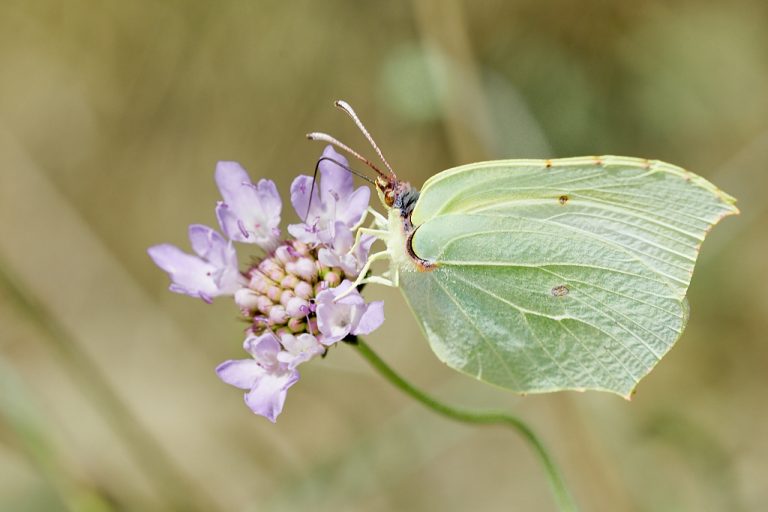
(347, 108)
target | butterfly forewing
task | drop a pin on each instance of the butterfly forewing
(562, 274)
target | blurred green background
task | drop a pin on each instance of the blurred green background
(112, 117)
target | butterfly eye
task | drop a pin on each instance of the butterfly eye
(389, 197)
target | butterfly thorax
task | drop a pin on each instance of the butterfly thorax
(400, 199)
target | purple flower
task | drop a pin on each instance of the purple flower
(292, 295)
(333, 200)
(249, 213)
(264, 376)
(349, 315)
(299, 349)
(211, 273)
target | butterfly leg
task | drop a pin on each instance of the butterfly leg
(378, 280)
(379, 219)
(361, 278)
(362, 220)
(378, 233)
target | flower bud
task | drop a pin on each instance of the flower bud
(301, 248)
(286, 296)
(263, 304)
(269, 265)
(276, 275)
(332, 279)
(284, 254)
(277, 315)
(273, 292)
(247, 299)
(297, 308)
(273, 269)
(290, 281)
(296, 325)
(259, 282)
(303, 289)
(305, 268)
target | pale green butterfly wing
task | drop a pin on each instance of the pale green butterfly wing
(561, 274)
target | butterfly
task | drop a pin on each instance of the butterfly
(545, 275)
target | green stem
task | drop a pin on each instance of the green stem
(562, 496)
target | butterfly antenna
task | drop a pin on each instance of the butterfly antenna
(314, 180)
(340, 145)
(343, 105)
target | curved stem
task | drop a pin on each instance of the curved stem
(562, 496)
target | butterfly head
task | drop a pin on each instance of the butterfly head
(385, 186)
(396, 194)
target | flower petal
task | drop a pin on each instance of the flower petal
(241, 373)
(353, 207)
(214, 248)
(299, 349)
(189, 274)
(371, 319)
(264, 349)
(305, 233)
(267, 396)
(300, 198)
(208, 244)
(336, 182)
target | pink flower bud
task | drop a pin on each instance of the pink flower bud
(333, 279)
(247, 299)
(277, 314)
(297, 308)
(296, 324)
(283, 253)
(306, 269)
(263, 304)
(273, 292)
(286, 296)
(259, 282)
(301, 248)
(269, 265)
(276, 275)
(303, 289)
(290, 281)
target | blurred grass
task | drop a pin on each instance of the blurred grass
(112, 116)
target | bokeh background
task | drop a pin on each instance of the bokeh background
(112, 117)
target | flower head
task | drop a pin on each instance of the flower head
(290, 294)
